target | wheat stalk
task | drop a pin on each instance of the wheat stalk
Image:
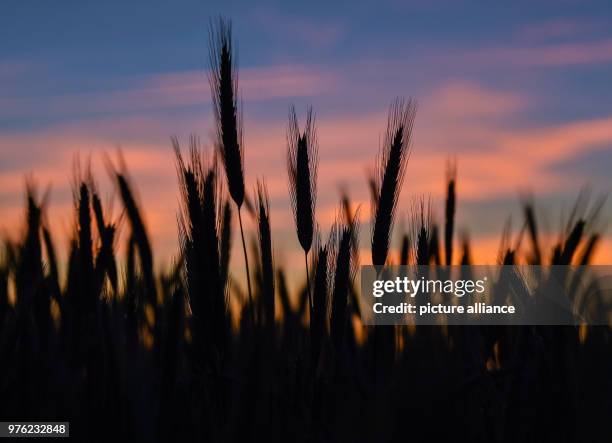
(392, 161)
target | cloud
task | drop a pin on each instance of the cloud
(549, 55)
(172, 90)
(462, 100)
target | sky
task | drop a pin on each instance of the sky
(517, 93)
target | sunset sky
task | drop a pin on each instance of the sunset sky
(519, 93)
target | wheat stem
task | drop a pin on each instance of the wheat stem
(246, 264)
(310, 305)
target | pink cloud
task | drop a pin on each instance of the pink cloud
(565, 54)
(460, 100)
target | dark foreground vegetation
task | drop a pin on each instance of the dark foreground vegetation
(122, 352)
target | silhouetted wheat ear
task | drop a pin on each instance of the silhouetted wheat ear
(572, 242)
(52, 260)
(422, 227)
(343, 276)
(283, 295)
(302, 163)
(224, 89)
(392, 161)
(449, 224)
(29, 279)
(347, 207)
(466, 255)
(265, 249)
(85, 242)
(405, 250)
(139, 236)
(29, 268)
(201, 251)
(104, 263)
(532, 228)
(223, 80)
(96, 205)
(434, 246)
(373, 187)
